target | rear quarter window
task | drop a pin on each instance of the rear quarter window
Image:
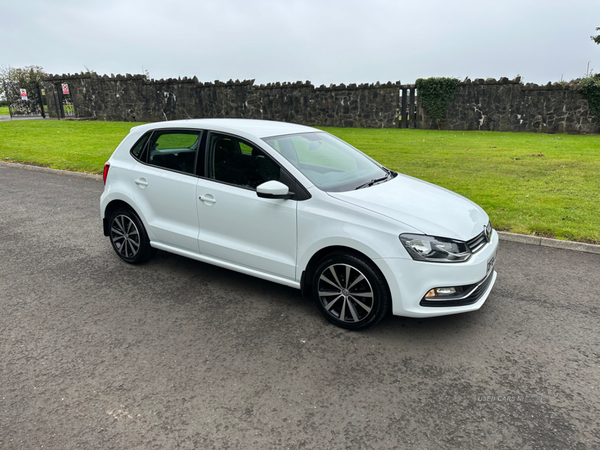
(137, 151)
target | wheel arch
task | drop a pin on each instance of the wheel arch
(112, 206)
(308, 272)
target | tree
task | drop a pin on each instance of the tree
(596, 38)
(12, 79)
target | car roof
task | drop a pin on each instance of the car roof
(248, 127)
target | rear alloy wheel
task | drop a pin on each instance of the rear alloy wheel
(351, 292)
(128, 237)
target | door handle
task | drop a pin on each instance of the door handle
(208, 199)
(141, 182)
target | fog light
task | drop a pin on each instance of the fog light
(440, 292)
(445, 291)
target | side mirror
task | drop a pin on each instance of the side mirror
(274, 189)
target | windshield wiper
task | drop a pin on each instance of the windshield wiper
(388, 175)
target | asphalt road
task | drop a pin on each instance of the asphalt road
(97, 354)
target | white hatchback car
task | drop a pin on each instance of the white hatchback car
(297, 206)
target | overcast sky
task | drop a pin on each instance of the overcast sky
(324, 41)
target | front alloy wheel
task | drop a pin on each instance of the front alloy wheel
(351, 292)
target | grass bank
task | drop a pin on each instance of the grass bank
(541, 184)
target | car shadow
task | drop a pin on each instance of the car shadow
(238, 287)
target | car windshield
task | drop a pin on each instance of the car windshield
(328, 162)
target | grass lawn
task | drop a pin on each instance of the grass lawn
(4, 111)
(541, 184)
(62, 144)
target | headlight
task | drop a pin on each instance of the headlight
(435, 249)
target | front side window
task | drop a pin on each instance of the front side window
(175, 150)
(329, 163)
(236, 162)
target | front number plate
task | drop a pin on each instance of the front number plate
(491, 263)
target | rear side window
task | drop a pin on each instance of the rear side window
(138, 148)
(174, 150)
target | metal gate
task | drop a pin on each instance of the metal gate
(26, 99)
(64, 102)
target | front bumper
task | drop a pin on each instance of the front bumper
(410, 280)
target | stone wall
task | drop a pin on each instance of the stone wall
(136, 98)
(508, 105)
(490, 105)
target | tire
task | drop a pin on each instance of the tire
(350, 291)
(129, 238)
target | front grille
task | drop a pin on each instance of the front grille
(478, 242)
(477, 290)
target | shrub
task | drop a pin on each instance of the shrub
(435, 94)
(590, 88)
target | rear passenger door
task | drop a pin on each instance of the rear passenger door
(165, 186)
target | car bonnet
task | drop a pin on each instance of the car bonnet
(421, 205)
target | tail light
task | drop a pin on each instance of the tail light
(105, 174)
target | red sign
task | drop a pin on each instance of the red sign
(23, 94)
(65, 88)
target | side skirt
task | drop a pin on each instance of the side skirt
(228, 265)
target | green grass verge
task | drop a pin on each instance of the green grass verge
(546, 185)
(541, 184)
(62, 144)
(4, 111)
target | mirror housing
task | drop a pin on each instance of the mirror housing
(274, 189)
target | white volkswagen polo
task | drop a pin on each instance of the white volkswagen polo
(297, 206)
